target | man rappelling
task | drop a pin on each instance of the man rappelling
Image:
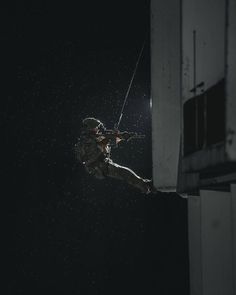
(93, 151)
(94, 147)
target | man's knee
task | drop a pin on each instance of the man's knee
(99, 171)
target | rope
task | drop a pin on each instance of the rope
(130, 84)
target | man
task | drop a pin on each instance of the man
(93, 151)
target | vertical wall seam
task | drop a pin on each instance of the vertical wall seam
(201, 249)
(233, 239)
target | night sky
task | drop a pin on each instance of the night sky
(69, 233)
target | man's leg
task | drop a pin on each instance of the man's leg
(123, 173)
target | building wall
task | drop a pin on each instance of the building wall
(165, 91)
(212, 234)
(203, 45)
(193, 49)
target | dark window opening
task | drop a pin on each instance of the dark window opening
(204, 119)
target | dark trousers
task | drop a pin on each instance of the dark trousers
(108, 168)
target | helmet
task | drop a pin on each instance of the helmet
(92, 123)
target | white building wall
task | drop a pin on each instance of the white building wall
(203, 41)
(165, 91)
(212, 235)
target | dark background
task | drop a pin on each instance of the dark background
(72, 234)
